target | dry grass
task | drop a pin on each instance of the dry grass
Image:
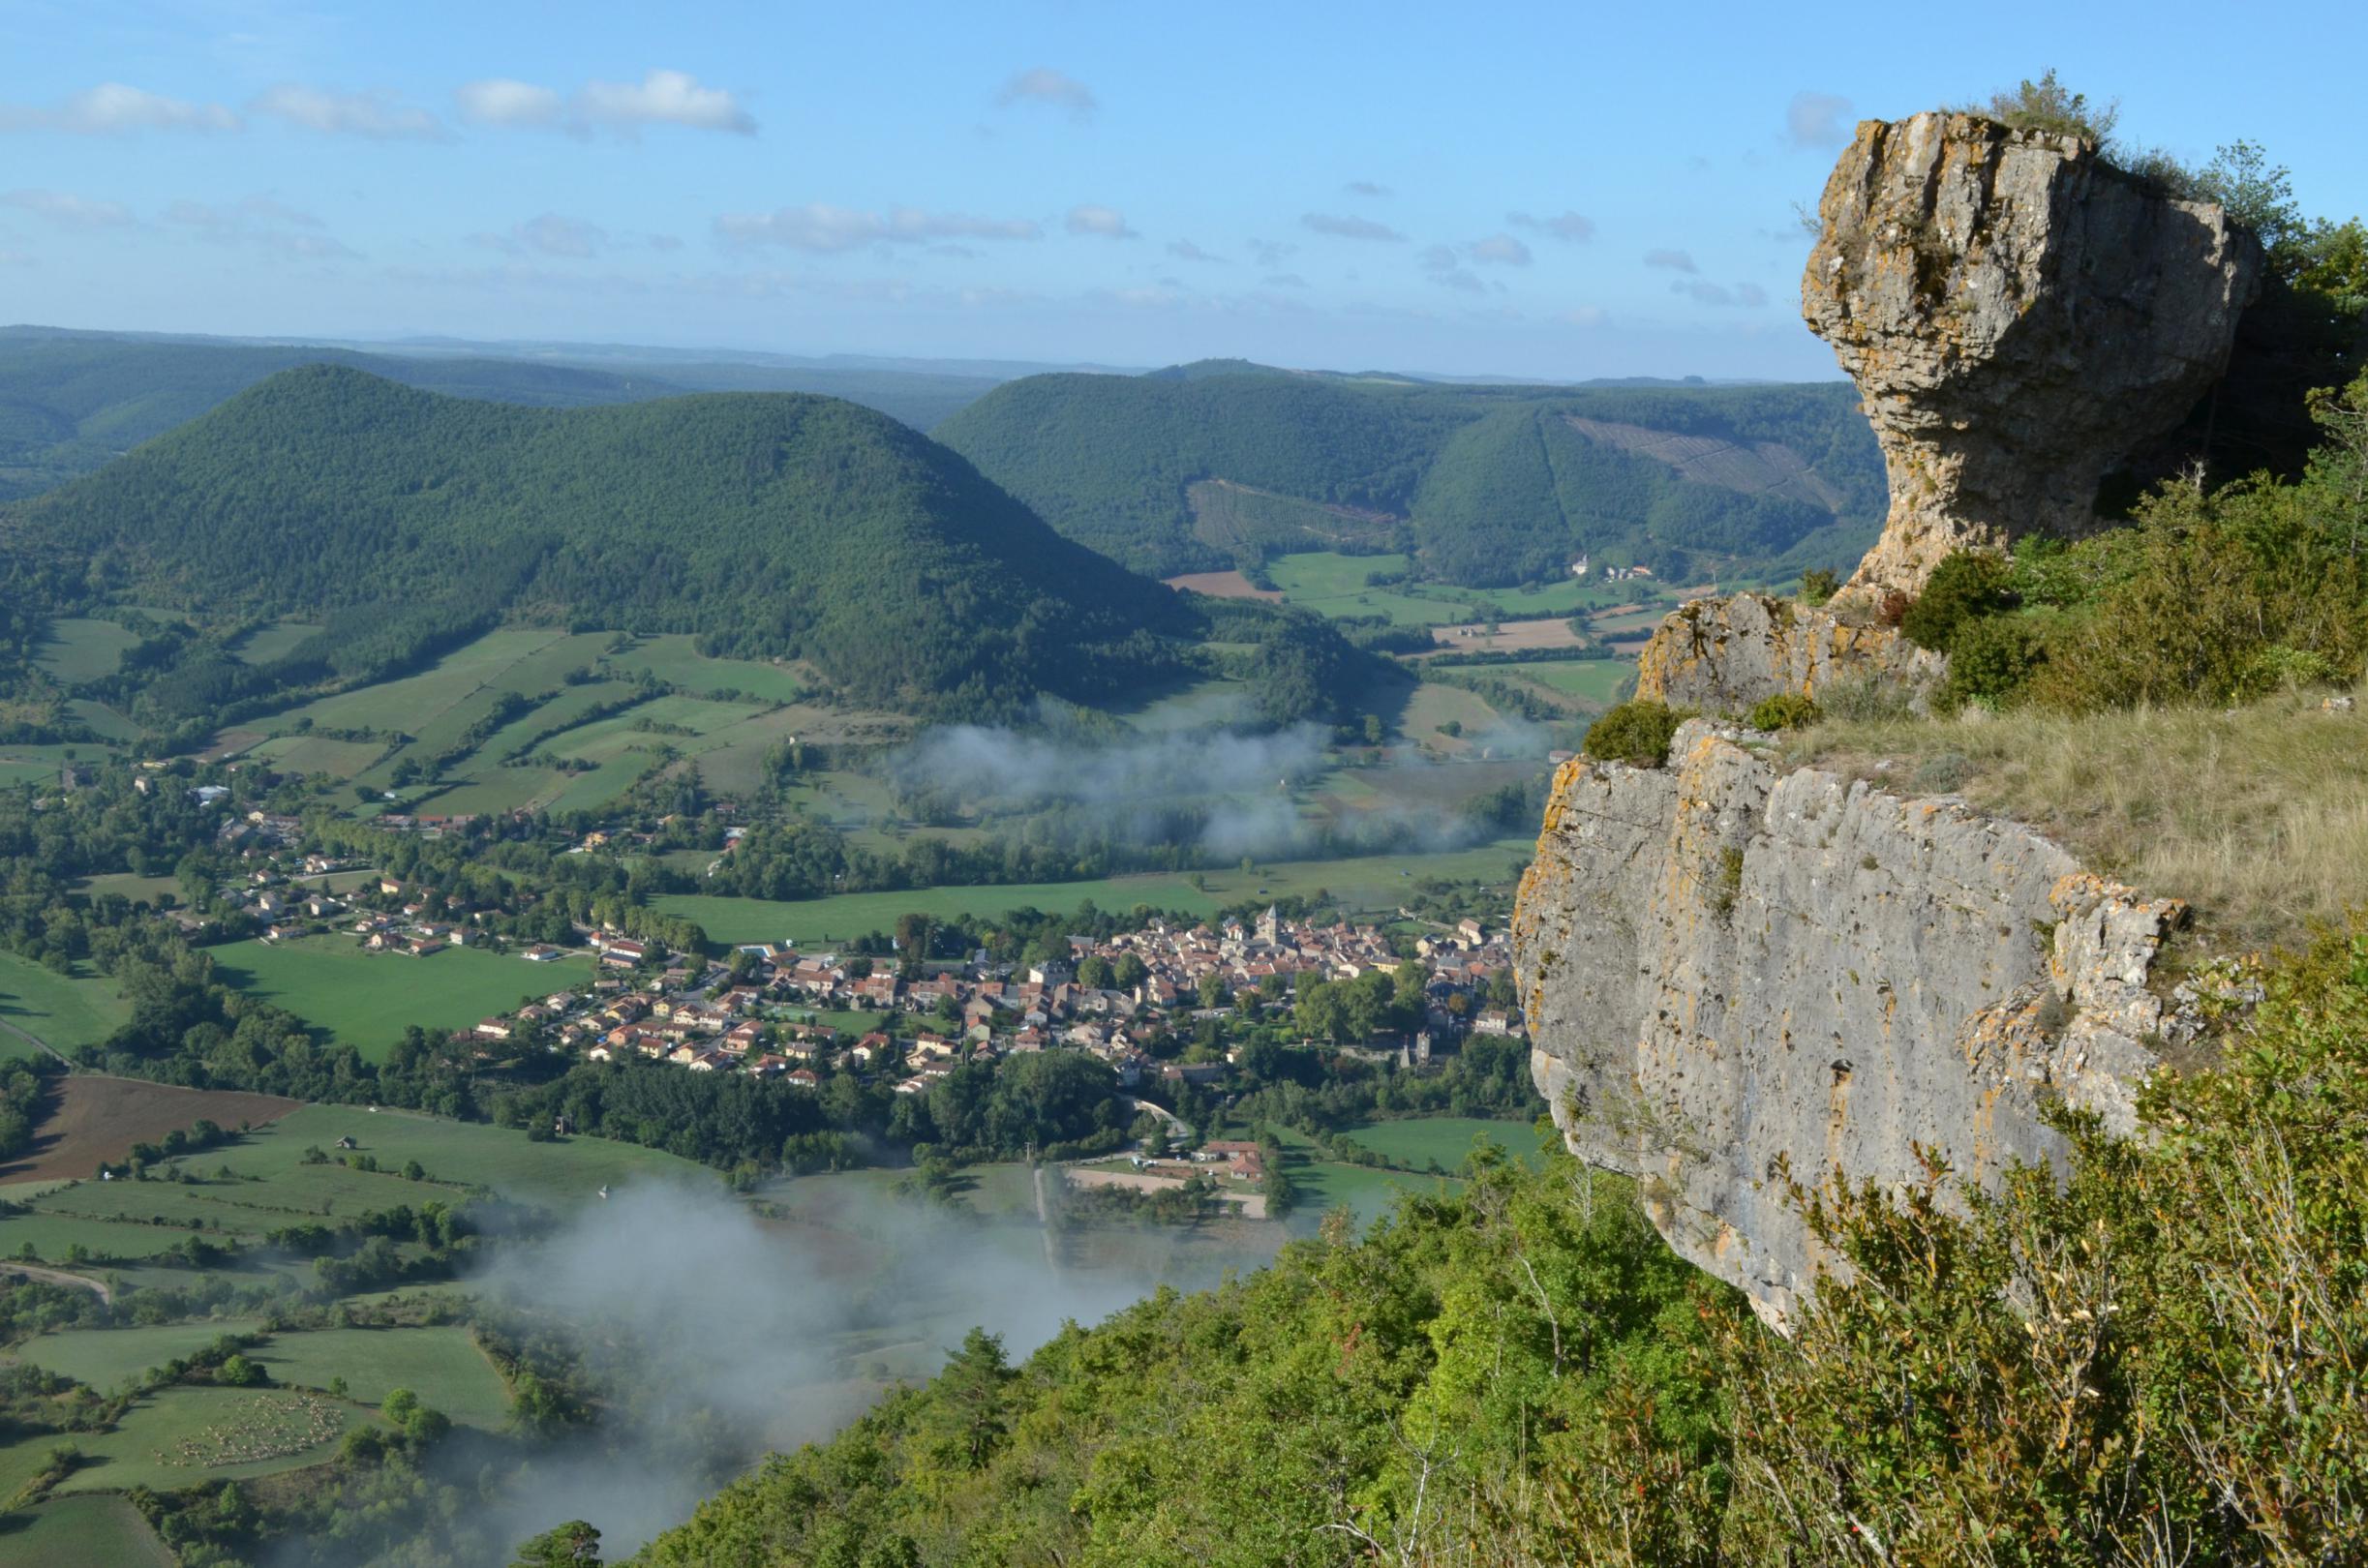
(2257, 816)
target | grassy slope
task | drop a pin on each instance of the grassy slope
(2258, 816)
(145, 1448)
(108, 1358)
(442, 1366)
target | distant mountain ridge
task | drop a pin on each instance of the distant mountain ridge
(778, 523)
(73, 401)
(1487, 484)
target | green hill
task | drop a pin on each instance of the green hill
(1488, 485)
(71, 402)
(776, 524)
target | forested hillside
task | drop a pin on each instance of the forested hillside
(781, 525)
(1489, 485)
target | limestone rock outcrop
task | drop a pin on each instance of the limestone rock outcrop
(1722, 963)
(2019, 314)
(1723, 655)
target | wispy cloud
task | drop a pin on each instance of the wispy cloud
(1570, 228)
(1702, 291)
(1365, 187)
(826, 229)
(379, 116)
(1088, 217)
(1499, 249)
(1671, 261)
(1283, 280)
(1041, 85)
(550, 234)
(1817, 120)
(1585, 315)
(113, 108)
(661, 98)
(1269, 254)
(68, 211)
(1441, 266)
(264, 225)
(1344, 226)
(1186, 251)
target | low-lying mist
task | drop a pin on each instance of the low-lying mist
(725, 1336)
(1226, 792)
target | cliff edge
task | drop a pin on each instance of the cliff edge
(1726, 967)
(2019, 314)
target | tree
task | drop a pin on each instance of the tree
(1213, 990)
(572, 1545)
(2048, 105)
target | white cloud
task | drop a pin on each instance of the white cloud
(1186, 251)
(1499, 249)
(1671, 261)
(499, 100)
(1570, 228)
(68, 211)
(550, 234)
(113, 108)
(826, 229)
(1365, 187)
(1041, 85)
(664, 97)
(1345, 227)
(660, 98)
(1088, 218)
(376, 116)
(1817, 120)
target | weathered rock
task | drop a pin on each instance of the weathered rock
(1726, 967)
(2019, 314)
(1724, 655)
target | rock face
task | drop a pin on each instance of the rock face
(1724, 963)
(2019, 314)
(1723, 655)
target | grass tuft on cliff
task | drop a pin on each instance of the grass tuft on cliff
(2258, 815)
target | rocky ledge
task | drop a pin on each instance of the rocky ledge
(1728, 967)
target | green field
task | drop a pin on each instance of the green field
(366, 999)
(1335, 584)
(78, 650)
(81, 1532)
(1417, 1141)
(106, 1359)
(674, 660)
(1591, 680)
(524, 661)
(102, 719)
(279, 639)
(187, 1437)
(68, 1012)
(1366, 883)
(442, 1366)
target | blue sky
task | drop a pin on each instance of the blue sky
(1561, 189)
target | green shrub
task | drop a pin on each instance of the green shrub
(1785, 711)
(1818, 585)
(1990, 658)
(1637, 733)
(1966, 585)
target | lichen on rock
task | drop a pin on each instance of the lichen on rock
(2019, 314)
(1724, 655)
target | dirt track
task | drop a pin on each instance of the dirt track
(96, 1119)
(34, 1271)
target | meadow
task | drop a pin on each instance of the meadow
(673, 659)
(1336, 586)
(79, 650)
(1597, 681)
(94, 1532)
(1416, 1143)
(68, 1012)
(1368, 885)
(442, 1365)
(364, 998)
(188, 1437)
(106, 1359)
